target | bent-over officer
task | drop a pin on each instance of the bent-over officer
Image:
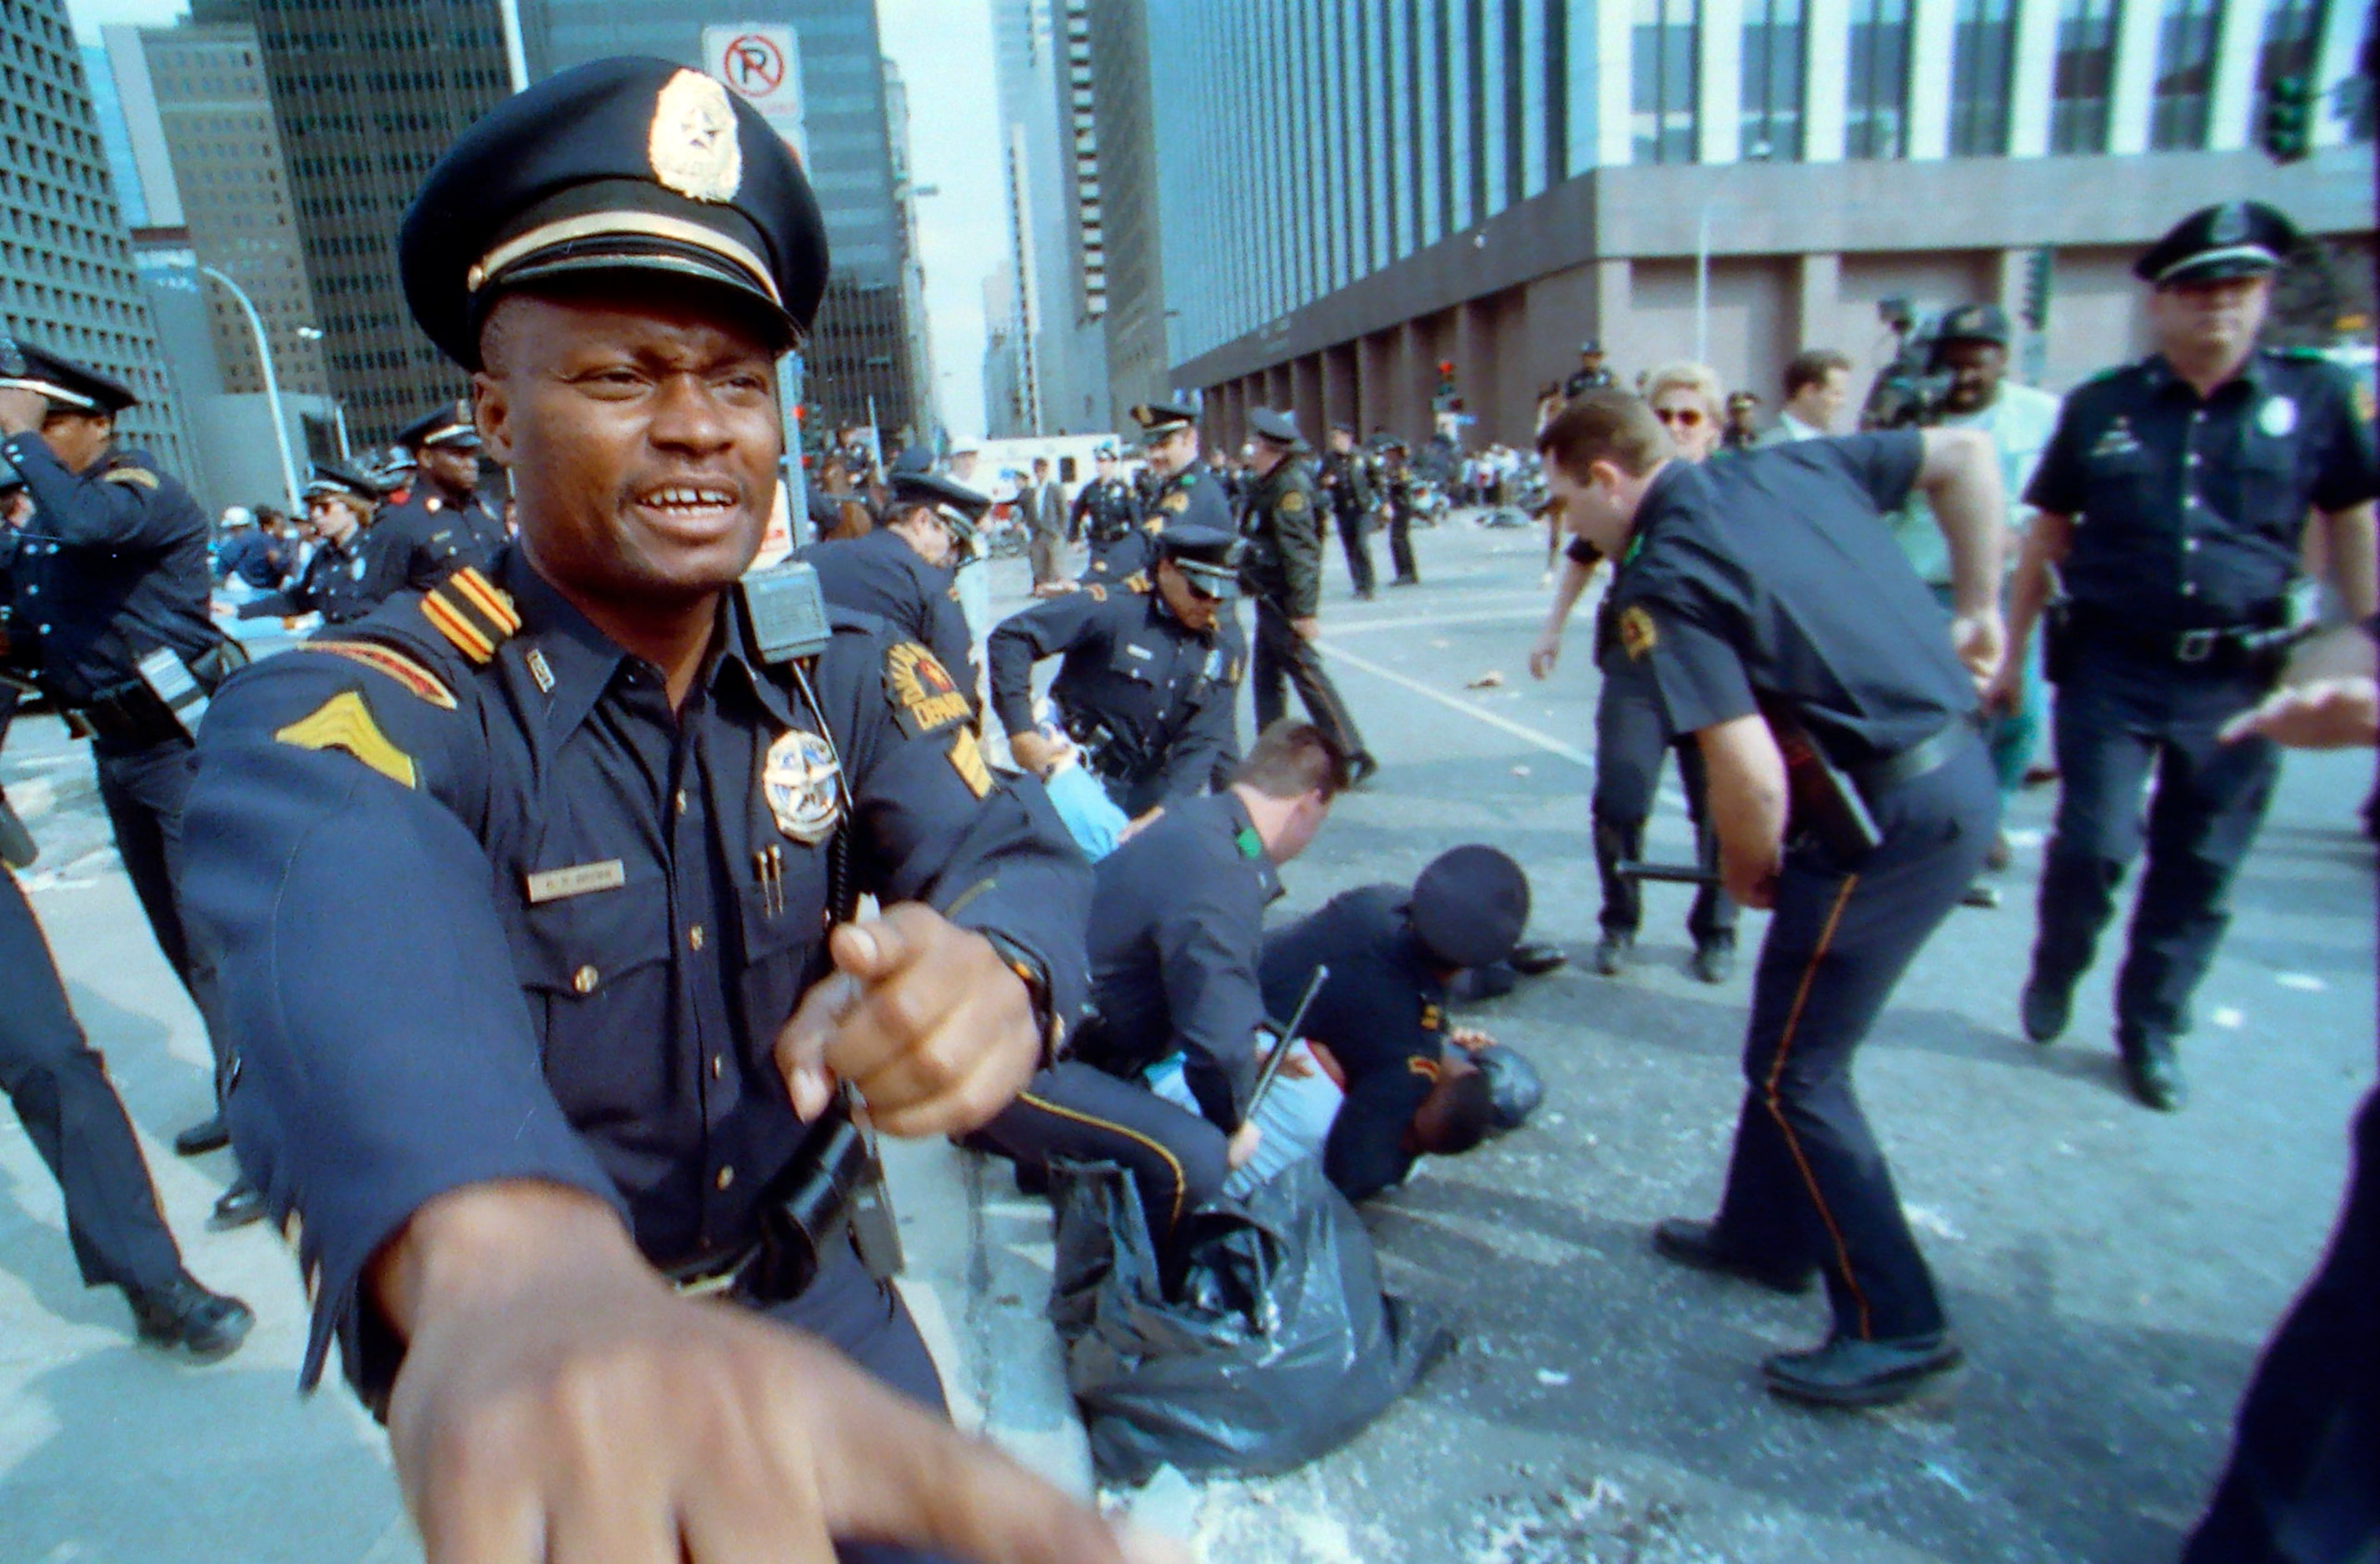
(903, 572)
(2173, 503)
(603, 807)
(1106, 513)
(345, 578)
(1150, 676)
(1177, 924)
(1765, 583)
(441, 525)
(1283, 570)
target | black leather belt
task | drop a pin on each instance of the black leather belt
(1921, 758)
(2220, 646)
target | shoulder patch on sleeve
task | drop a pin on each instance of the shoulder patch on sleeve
(1098, 594)
(1636, 633)
(1292, 503)
(142, 476)
(343, 721)
(471, 611)
(1177, 501)
(966, 759)
(925, 697)
(1137, 582)
(417, 680)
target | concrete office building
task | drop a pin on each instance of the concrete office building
(1488, 184)
(1063, 353)
(366, 96)
(861, 353)
(67, 280)
(1124, 165)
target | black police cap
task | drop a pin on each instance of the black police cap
(1470, 905)
(1590, 346)
(1157, 419)
(446, 427)
(1277, 427)
(339, 480)
(620, 164)
(75, 387)
(2235, 240)
(1975, 323)
(1209, 556)
(958, 503)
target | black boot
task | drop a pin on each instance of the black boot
(208, 1134)
(185, 1318)
(241, 1204)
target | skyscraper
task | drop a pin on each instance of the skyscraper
(861, 351)
(1139, 352)
(1060, 342)
(67, 275)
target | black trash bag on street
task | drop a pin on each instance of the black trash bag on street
(1266, 1343)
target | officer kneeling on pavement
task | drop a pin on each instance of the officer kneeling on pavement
(1777, 621)
(570, 1134)
(1177, 923)
(903, 571)
(1150, 676)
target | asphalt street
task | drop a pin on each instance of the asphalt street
(2111, 1271)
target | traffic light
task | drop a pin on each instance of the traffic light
(2289, 119)
(2036, 291)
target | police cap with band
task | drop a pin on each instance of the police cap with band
(73, 387)
(446, 427)
(1974, 322)
(1157, 419)
(1470, 905)
(1209, 556)
(2236, 239)
(955, 503)
(1276, 428)
(618, 164)
(335, 481)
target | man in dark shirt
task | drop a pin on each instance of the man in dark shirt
(1591, 374)
(2172, 502)
(603, 810)
(1150, 676)
(1353, 483)
(1282, 571)
(1767, 584)
(902, 571)
(345, 579)
(1106, 513)
(1176, 924)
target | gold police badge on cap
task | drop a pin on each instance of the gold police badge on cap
(799, 777)
(692, 142)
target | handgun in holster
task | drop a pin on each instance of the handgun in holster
(1823, 804)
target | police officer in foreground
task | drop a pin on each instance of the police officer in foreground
(565, 1133)
(902, 571)
(1151, 677)
(345, 577)
(1106, 513)
(1177, 924)
(2172, 502)
(1283, 570)
(112, 580)
(1353, 482)
(1763, 589)
(441, 525)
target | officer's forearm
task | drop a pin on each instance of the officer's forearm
(472, 1244)
(2353, 573)
(1747, 799)
(1962, 478)
(1011, 684)
(2044, 544)
(1567, 592)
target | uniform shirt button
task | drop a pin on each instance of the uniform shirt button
(33, 589)
(584, 980)
(681, 801)
(718, 1066)
(2190, 589)
(2190, 545)
(45, 629)
(726, 1177)
(694, 937)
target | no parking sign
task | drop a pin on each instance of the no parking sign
(761, 62)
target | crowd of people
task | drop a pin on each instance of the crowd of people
(611, 801)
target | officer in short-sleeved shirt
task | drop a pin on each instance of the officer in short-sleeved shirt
(2182, 519)
(884, 573)
(1106, 513)
(1282, 571)
(1150, 697)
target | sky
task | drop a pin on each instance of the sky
(943, 48)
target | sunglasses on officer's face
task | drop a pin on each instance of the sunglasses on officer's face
(1685, 417)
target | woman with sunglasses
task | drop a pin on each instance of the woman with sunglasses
(1629, 736)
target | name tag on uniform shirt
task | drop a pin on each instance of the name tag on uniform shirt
(1133, 648)
(578, 880)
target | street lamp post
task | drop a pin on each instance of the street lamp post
(272, 388)
(1758, 154)
(338, 409)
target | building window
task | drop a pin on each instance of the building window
(1982, 51)
(2291, 45)
(2185, 76)
(1876, 123)
(2083, 75)
(1666, 80)
(1773, 74)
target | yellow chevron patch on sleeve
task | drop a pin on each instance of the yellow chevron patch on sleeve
(140, 475)
(343, 721)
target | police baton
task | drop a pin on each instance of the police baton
(1674, 874)
(1270, 1072)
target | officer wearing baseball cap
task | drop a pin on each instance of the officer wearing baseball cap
(1283, 572)
(566, 1131)
(442, 523)
(2196, 470)
(1151, 668)
(905, 570)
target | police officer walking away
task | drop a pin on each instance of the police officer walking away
(1106, 513)
(1283, 570)
(1151, 677)
(1355, 489)
(345, 577)
(2172, 502)
(442, 525)
(566, 1131)
(1764, 588)
(903, 571)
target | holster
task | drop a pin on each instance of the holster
(2058, 641)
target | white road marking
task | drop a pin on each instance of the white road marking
(1415, 622)
(2228, 1016)
(1546, 742)
(2303, 982)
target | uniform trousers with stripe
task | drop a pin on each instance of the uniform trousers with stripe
(1081, 1113)
(1807, 1184)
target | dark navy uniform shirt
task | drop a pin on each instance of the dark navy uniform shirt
(1382, 1014)
(341, 582)
(1284, 532)
(1773, 572)
(2189, 513)
(1164, 691)
(1177, 918)
(1353, 482)
(112, 566)
(258, 559)
(426, 539)
(879, 573)
(469, 917)
(1105, 509)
